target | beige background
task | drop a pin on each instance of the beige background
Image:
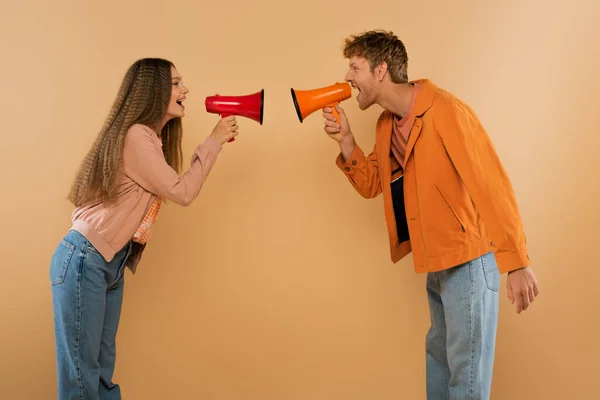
(276, 283)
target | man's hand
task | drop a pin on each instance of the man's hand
(337, 132)
(341, 132)
(522, 288)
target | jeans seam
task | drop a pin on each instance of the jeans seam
(471, 332)
(78, 330)
(485, 275)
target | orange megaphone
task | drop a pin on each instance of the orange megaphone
(308, 101)
(249, 106)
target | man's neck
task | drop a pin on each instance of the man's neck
(396, 98)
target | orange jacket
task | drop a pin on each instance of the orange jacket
(453, 201)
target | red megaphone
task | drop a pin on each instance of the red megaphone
(249, 106)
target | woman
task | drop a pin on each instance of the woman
(131, 168)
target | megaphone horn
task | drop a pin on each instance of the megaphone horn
(249, 106)
(308, 101)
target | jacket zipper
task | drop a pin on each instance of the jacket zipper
(453, 213)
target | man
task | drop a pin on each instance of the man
(447, 199)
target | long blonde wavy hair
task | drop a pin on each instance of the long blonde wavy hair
(143, 98)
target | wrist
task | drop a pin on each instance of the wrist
(213, 144)
(347, 140)
(347, 145)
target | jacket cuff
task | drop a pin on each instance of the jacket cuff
(352, 164)
(512, 261)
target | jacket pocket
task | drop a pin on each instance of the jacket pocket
(462, 226)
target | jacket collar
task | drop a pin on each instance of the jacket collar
(425, 97)
(423, 102)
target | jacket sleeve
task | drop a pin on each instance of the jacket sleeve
(362, 172)
(477, 163)
(144, 163)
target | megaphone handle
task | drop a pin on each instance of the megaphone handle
(223, 116)
(335, 112)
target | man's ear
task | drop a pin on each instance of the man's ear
(380, 70)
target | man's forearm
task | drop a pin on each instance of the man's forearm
(361, 171)
(347, 147)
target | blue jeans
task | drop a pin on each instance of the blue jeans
(463, 303)
(87, 293)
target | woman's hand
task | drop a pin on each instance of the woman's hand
(226, 129)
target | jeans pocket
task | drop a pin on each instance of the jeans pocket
(490, 272)
(60, 262)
